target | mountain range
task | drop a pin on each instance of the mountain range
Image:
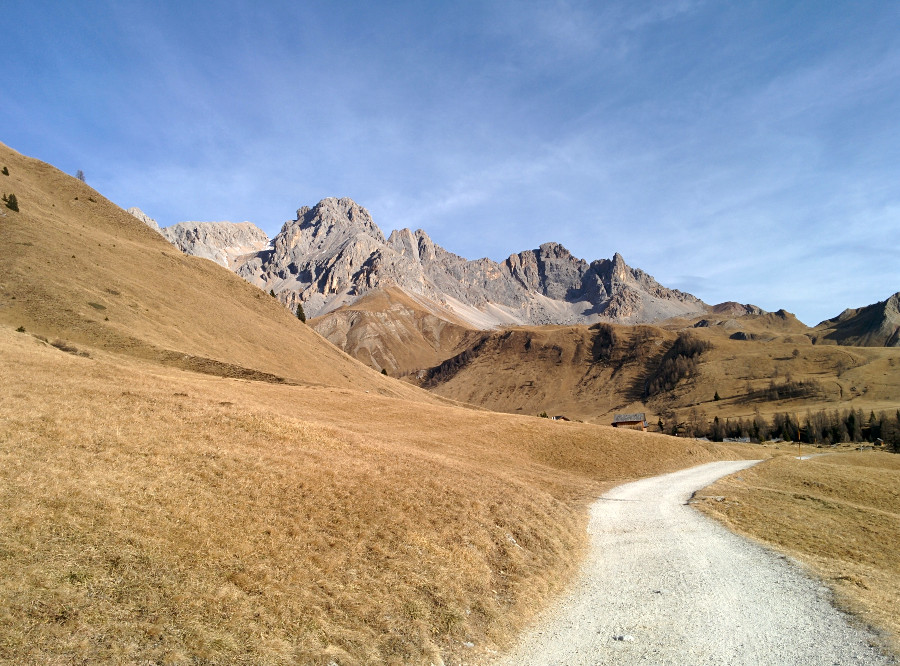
(403, 303)
(332, 254)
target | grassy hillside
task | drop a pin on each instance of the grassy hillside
(190, 475)
(151, 513)
(77, 268)
(593, 373)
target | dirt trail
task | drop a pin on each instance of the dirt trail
(663, 584)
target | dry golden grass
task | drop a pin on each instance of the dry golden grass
(553, 368)
(153, 514)
(838, 513)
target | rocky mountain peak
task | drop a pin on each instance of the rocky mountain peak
(427, 250)
(342, 214)
(333, 253)
(326, 227)
(613, 270)
(618, 268)
(554, 251)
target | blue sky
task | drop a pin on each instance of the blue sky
(744, 151)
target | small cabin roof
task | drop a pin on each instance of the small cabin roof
(629, 418)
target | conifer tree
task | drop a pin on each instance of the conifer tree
(301, 315)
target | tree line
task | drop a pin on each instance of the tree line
(819, 428)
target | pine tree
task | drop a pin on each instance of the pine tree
(80, 175)
(301, 315)
(5, 171)
(12, 203)
(272, 293)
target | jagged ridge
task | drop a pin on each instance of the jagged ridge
(333, 253)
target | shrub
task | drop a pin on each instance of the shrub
(5, 171)
(12, 203)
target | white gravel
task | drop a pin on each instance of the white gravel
(663, 584)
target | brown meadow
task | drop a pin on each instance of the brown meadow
(190, 475)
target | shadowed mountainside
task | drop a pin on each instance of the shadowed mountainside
(876, 325)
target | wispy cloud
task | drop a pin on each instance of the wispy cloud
(746, 151)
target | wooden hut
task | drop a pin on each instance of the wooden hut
(632, 421)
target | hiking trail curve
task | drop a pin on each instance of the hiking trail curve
(664, 584)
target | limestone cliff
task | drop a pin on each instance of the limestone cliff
(222, 242)
(333, 253)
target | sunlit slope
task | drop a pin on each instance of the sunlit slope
(593, 373)
(148, 513)
(75, 266)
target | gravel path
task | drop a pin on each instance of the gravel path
(663, 584)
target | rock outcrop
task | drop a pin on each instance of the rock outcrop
(226, 243)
